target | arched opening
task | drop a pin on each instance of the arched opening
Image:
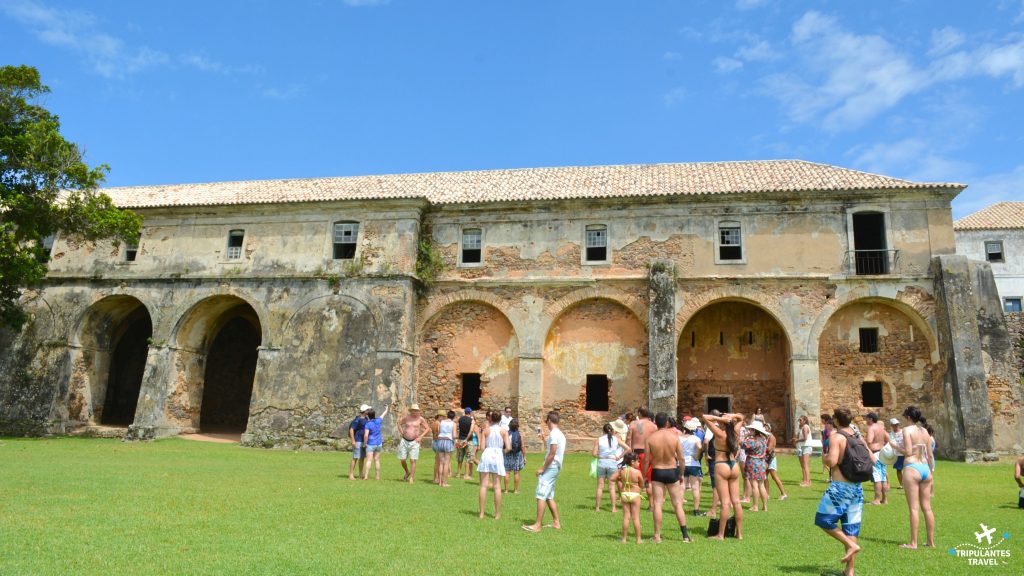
(734, 356)
(218, 345)
(468, 356)
(595, 365)
(109, 351)
(874, 357)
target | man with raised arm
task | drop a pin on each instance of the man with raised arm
(664, 464)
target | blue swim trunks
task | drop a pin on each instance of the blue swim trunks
(842, 502)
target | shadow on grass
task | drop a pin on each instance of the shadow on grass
(810, 569)
(889, 541)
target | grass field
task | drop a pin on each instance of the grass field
(94, 506)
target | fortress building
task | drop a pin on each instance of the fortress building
(276, 308)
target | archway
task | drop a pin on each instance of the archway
(218, 341)
(595, 365)
(468, 356)
(111, 345)
(733, 355)
(874, 357)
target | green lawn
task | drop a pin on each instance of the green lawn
(94, 506)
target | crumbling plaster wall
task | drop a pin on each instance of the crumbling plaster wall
(1009, 274)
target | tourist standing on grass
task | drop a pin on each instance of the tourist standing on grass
(492, 462)
(827, 427)
(355, 435)
(445, 447)
(435, 428)
(1018, 475)
(756, 468)
(664, 460)
(773, 464)
(636, 437)
(630, 482)
(725, 442)
(608, 451)
(506, 418)
(548, 474)
(467, 427)
(803, 451)
(896, 436)
(515, 459)
(709, 450)
(693, 449)
(918, 475)
(876, 439)
(843, 500)
(373, 440)
(412, 428)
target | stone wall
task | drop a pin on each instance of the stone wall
(1015, 327)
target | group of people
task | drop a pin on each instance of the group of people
(661, 459)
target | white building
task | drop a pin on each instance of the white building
(996, 235)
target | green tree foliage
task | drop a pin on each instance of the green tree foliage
(45, 188)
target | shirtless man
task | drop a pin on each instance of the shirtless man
(843, 501)
(636, 438)
(664, 463)
(412, 427)
(876, 439)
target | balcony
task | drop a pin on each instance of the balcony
(871, 262)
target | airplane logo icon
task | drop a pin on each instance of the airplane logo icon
(986, 533)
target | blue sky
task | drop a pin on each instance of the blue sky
(196, 91)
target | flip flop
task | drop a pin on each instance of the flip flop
(530, 528)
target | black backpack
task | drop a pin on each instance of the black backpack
(730, 527)
(856, 464)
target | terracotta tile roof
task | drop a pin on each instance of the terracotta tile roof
(996, 217)
(528, 184)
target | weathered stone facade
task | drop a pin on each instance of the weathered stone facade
(283, 341)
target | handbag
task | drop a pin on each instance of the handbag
(730, 527)
(593, 468)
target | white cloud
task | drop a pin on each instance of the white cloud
(671, 56)
(725, 65)
(289, 92)
(674, 96)
(76, 30)
(757, 51)
(750, 4)
(945, 40)
(204, 63)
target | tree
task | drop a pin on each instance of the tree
(45, 188)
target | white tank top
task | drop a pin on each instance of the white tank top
(494, 438)
(445, 429)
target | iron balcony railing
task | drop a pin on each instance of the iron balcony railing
(872, 262)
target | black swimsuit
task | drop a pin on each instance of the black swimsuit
(665, 475)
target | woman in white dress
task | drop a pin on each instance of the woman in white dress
(492, 462)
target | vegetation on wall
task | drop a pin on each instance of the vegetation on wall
(429, 263)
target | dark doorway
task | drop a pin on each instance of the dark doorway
(127, 365)
(871, 394)
(230, 369)
(869, 245)
(597, 392)
(471, 391)
(721, 403)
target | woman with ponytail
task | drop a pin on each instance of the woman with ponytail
(608, 450)
(727, 474)
(918, 474)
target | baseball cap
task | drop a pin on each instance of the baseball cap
(468, 410)
(364, 407)
(894, 421)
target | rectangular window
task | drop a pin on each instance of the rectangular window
(235, 239)
(1012, 304)
(721, 403)
(471, 246)
(345, 236)
(48, 246)
(994, 251)
(871, 394)
(597, 393)
(868, 340)
(730, 241)
(870, 255)
(131, 250)
(597, 243)
(470, 391)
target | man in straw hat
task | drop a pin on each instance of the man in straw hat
(355, 435)
(412, 427)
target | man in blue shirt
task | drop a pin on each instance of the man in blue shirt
(355, 435)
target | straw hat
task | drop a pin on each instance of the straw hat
(692, 424)
(759, 427)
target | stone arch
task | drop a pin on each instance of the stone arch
(594, 337)
(375, 315)
(439, 303)
(216, 344)
(735, 352)
(468, 353)
(109, 346)
(696, 302)
(554, 309)
(917, 304)
(190, 331)
(905, 363)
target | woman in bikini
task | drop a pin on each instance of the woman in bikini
(631, 485)
(918, 474)
(726, 430)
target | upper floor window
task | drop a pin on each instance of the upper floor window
(472, 246)
(346, 235)
(870, 248)
(47, 245)
(235, 239)
(869, 340)
(730, 241)
(131, 250)
(1012, 304)
(597, 243)
(994, 251)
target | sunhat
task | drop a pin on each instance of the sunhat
(415, 407)
(758, 426)
(692, 424)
